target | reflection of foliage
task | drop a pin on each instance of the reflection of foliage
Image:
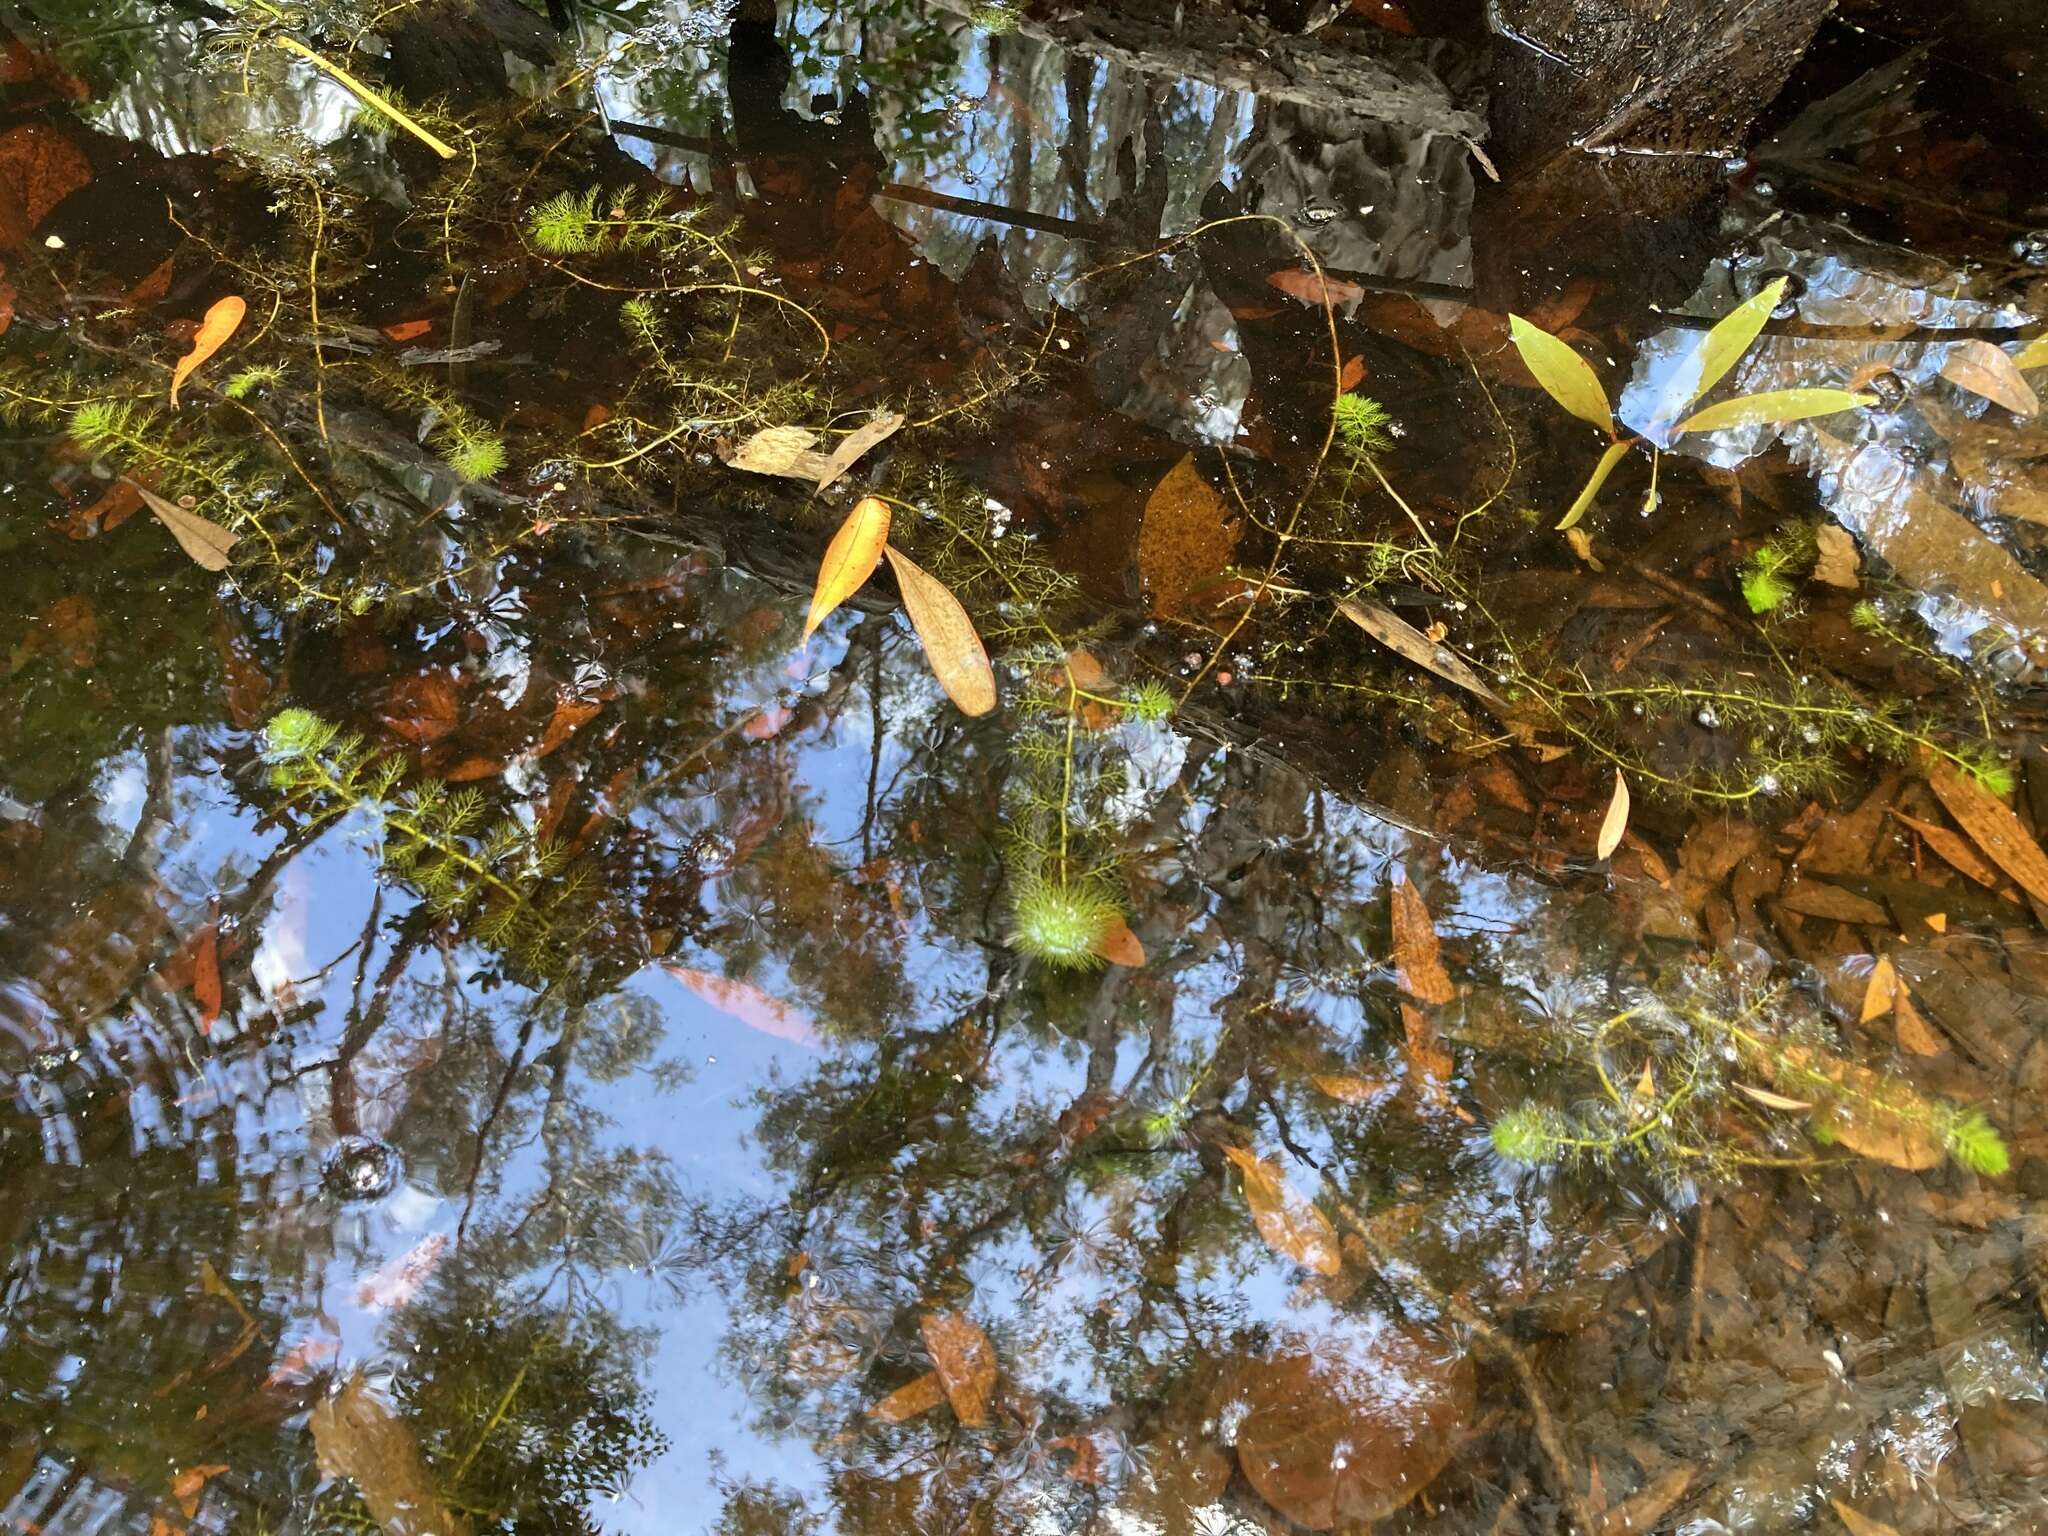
(511, 892)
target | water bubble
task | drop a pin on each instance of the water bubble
(360, 1168)
(1890, 389)
(1707, 719)
(710, 851)
(1767, 784)
(1319, 212)
(2032, 247)
(1810, 735)
(1764, 188)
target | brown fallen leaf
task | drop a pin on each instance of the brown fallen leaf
(1615, 822)
(850, 559)
(1290, 1224)
(1350, 1090)
(1954, 849)
(1882, 990)
(206, 542)
(1119, 946)
(1771, 1100)
(911, 1399)
(223, 318)
(955, 652)
(400, 1279)
(1915, 1035)
(1992, 827)
(357, 1437)
(1185, 542)
(1860, 1524)
(1430, 1066)
(206, 976)
(1881, 1119)
(1319, 289)
(749, 1004)
(856, 443)
(784, 451)
(1411, 644)
(1987, 370)
(1641, 1510)
(190, 1483)
(964, 1361)
(1417, 967)
(1838, 561)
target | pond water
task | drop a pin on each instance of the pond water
(1399, 1016)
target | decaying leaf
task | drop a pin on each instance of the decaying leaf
(1430, 1066)
(1882, 989)
(221, 321)
(1774, 408)
(784, 451)
(1315, 288)
(1992, 827)
(1838, 561)
(1860, 1524)
(400, 1280)
(850, 559)
(1915, 1035)
(206, 542)
(357, 1437)
(1184, 543)
(1565, 376)
(1639, 1513)
(1719, 350)
(1987, 370)
(1350, 1090)
(1344, 1429)
(1771, 1100)
(1417, 966)
(855, 444)
(1290, 1224)
(1411, 644)
(911, 1399)
(206, 975)
(1119, 946)
(1615, 822)
(1881, 1119)
(749, 1004)
(964, 1361)
(951, 646)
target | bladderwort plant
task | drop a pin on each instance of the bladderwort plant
(1705, 1086)
(509, 891)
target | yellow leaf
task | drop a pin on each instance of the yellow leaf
(1291, 1225)
(1719, 351)
(1860, 1524)
(1993, 828)
(1615, 822)
(1774, 407)
(964, 1361)
(1986, 370)
(850, 559)
(1643, 1097)
(1883, 988)
(206, 542)
(2033, 355)
(218, 325)
(1565, 376)
(1349, 1090)
(950, 643)
(1771, 1100)
(910, 1399)
(1403, 638)
(1418, 969)
(1184, 543)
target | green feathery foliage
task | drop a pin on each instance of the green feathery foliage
(509, 892)
(1062, 924)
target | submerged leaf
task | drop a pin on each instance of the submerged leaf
(1615, 822)
(784, 451)
(1290, 1224)
(1119, 946)
(954, 650)
(1315, 288)
(1987, 370)
(1615, 453)
(1837, 561)
(221, 321)
(1403, 638)
(964, 1361)
(856, 443)
(206, 542)
(747, 1003)
(1184, 543)
(911, 1399)
(357, 1437)
(1992, 827)
(1771, 1100)
(850, 559)
(1420, 972)
(1774, 408)
(1565, 376)
(1881, 990)
(1720, 349)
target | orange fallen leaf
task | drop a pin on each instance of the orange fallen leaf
(1419, 971)
(408, 330)
(1429, 1064)
(749, 1004)
(964, 1361)
(1119, 946)
(850, 559)
(910, 1400)
(1954, 849)
(222, 319)
(569, 716)
(1352, 376)
(1290, 1224)
(188, 1484)
(1881, 991)
(1993, 828)
(1185, 542)
(1319, 289)
(955, 652)
(1349, 1090)
(1915, 1035)
(206, 976)
(400, 1279)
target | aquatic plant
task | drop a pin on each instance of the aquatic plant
(1062, 923)
(509, 890)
